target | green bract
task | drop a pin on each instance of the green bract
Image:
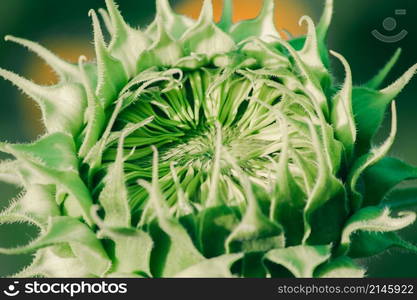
(196, 149)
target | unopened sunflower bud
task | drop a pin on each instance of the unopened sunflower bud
(196, 149)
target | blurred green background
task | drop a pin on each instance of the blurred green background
(64, 27)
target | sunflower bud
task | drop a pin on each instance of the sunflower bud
(196, 149)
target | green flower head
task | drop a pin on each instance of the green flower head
(202, 149)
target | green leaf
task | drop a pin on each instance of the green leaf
(365, 244)
(402, 198)
(52, 159)
(217, 267)
(373, 219)
(380, 178)
(340, 267)
(376, 82)
(301, 260)
(369, 107)
(328, 220)
(86, 247)
(341, 111)
(368, 160)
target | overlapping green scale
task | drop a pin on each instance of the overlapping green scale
(202, 149)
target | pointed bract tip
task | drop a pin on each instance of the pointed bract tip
(91, 13)
(111, 5)
(395, 88)
(336, 54)
(63, 68)
(82, 59)
(344, 62)
(305, 20)
(379, 78)
(106, 18)
(24, 84)
(227, 15)
(17, 40)
(325, 20)
(98, 33)
(143, 183)
(206, 11)
(115, 15)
